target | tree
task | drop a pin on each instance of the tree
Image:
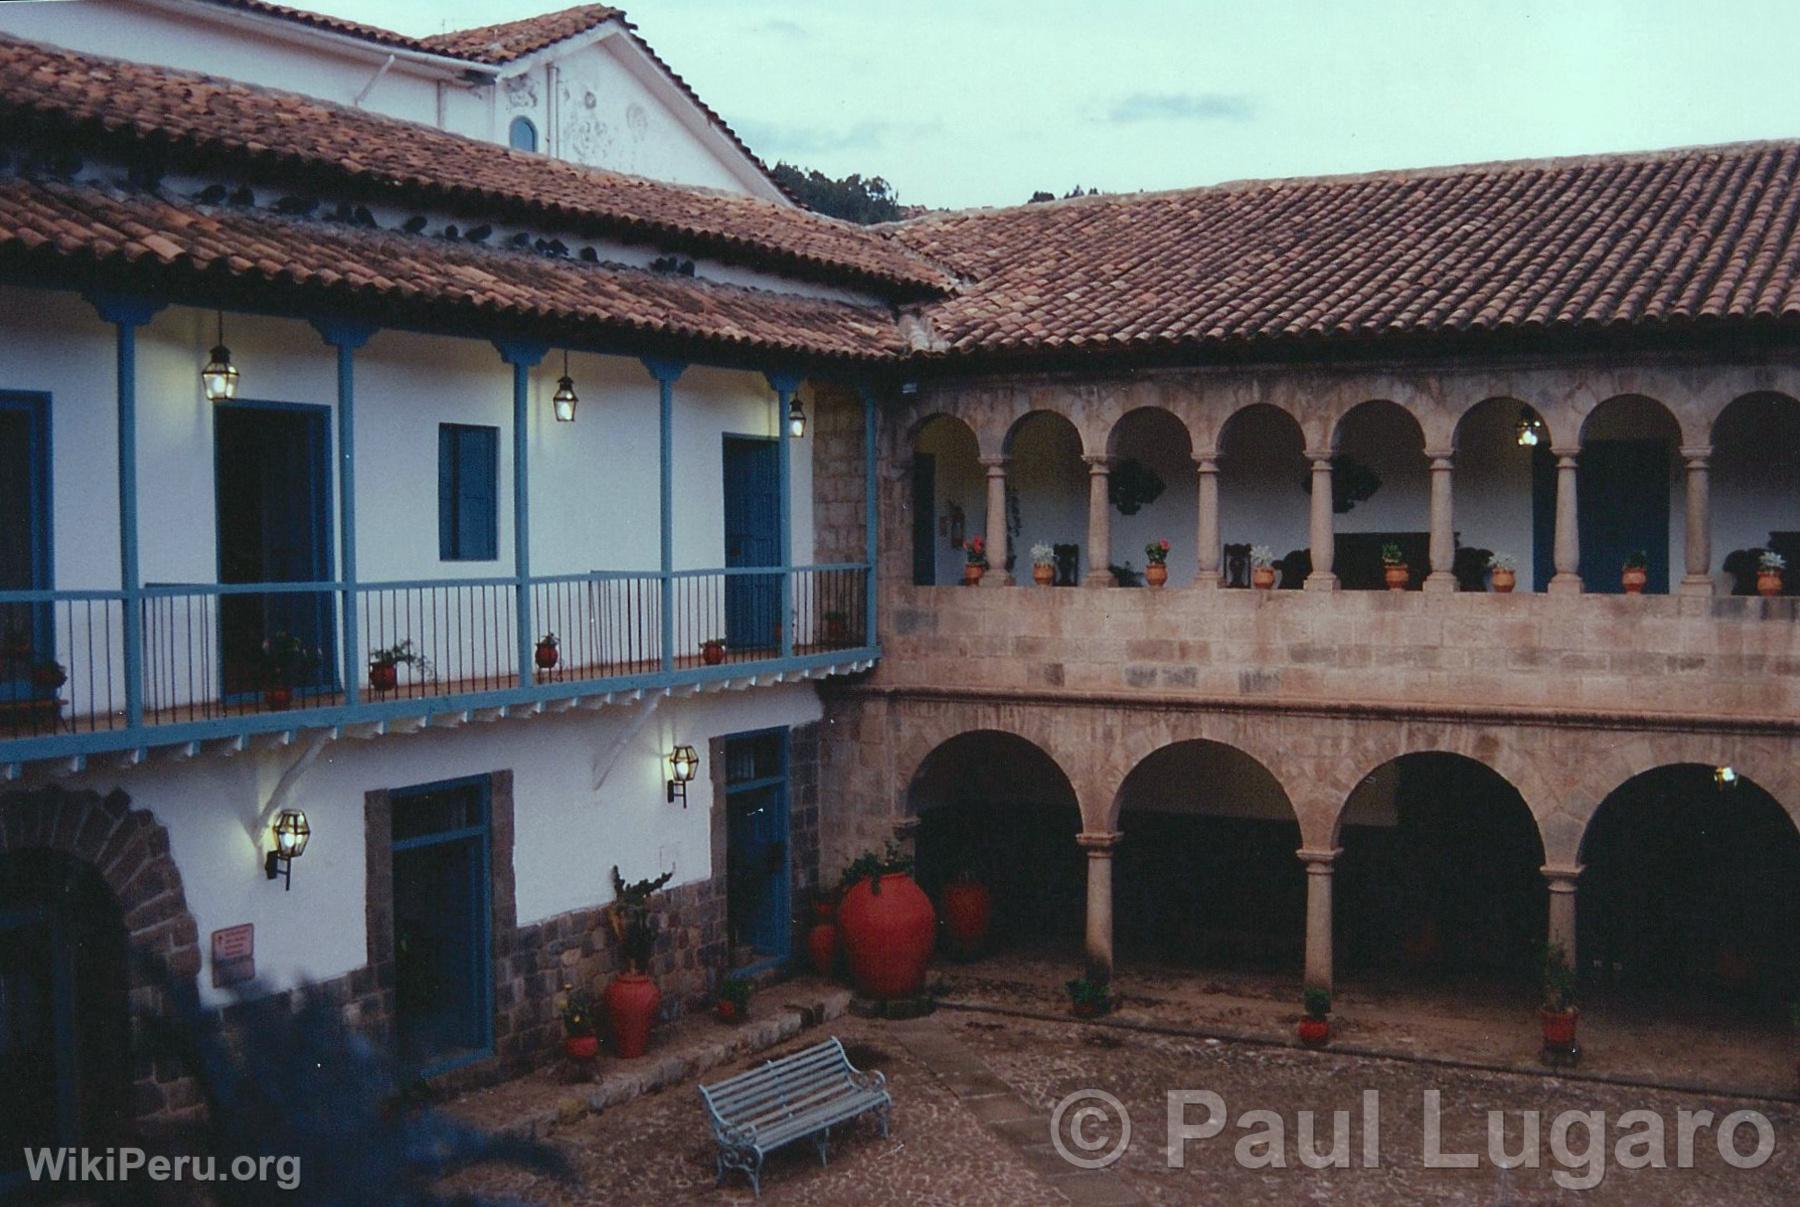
(1077, 191)
(853, 198)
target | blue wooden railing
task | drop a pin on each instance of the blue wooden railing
(237, 659)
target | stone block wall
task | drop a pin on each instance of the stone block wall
(839, 511)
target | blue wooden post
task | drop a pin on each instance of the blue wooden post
(129, 313)
(785, 385)
(522, 357)
(665, 372)
(347, 338)
(871, 547)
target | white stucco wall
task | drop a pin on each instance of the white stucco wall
(570, 828)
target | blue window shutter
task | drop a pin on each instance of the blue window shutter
(478, 495)
(446, 492)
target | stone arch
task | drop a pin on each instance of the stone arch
(1755, 485)
(1341, 413)
(1144, 413)
(1654, 406)
(1264, 740)
(917, 427)
(1515, 761)
(1550, 432)
(130, 850)
(1223, 427)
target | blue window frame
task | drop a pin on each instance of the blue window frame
(522, 135)
(468, 493)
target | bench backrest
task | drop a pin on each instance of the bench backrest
(782, 1088)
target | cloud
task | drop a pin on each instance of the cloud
(1182, 107)
(772, 138)
(792, 31)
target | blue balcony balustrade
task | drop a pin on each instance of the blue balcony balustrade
(224, 660)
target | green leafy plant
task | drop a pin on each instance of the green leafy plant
(1637, 559)
(1090, 991)
(577, 1012)
(632, 921)
(736, 990)
(1043, 555)
(1261, 557)
(1503, 561)
(403, 652)
(1559, 979)
(975, 551)
(1391, 555)
(1157, 552)
(872, 867)
(1132, 485)
(1316, 1002)
(1771, 560)
(285, 660)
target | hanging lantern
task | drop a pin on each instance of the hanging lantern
(1725, 776)
(796, 418)
(219, 379)
(291, 836)
(683, 762)
(1529, 431)
(565, 401)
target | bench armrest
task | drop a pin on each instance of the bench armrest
(868, 1081)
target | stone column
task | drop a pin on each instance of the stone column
(1206, 571)
(1567, 579)
(1443, 526)
(1099, 523)
(1562, 908)
(1099, 848)
(1323, 535)
(997, 574)
(1698, 580)
(1318, 916)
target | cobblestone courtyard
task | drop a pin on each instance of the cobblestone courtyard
(974, 1094)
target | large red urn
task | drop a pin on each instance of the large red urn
(968, 911)
(888, 928)
(632, 1001)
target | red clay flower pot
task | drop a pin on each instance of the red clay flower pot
(1633, 581)
(1043, 576)
(278, 699)
(1397, 578)
(968, 911)
(1263, 578)
(384, 676)
(727, 1012)
(1504, 581)
(632, 1001)
(822, 947)
(1559, 1027)
(581, 1047)
(1315, 1032)
(972, 573)
(547, 656)
(712, 653)
(888, 935)
(1156, 574)
(1768, 583)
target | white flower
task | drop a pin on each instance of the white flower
(1043, 555)
(1503, 561)
(1772, 560)
(1261, 557)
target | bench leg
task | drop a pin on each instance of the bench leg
(822, 1142)
(881, 1117)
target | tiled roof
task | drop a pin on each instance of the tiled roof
(227, 127)
(1562, 245)
(509, 40)
(52, 230)
(330, 24)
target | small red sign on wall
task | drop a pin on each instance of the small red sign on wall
(233, 955)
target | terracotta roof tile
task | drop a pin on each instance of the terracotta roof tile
(509, 40)
(331, 24)
(247, 131)
(1594, 243)
(63, 230)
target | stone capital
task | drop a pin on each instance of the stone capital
(1097, 463)
(1696, 455)
(1098, 846)
(1320, 458)
(1445, 455)
(1206, 463)
(1562, 878)
(994, 462)
(1318, 863)
(1565, 453)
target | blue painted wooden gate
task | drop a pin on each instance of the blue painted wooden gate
(757, 873)
(752, 527)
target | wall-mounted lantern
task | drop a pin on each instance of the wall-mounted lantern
(291, 836)
(796, 417)
(1725, 776)
(565, 402)
(219, 379)
(683, 762)
(1529, 431)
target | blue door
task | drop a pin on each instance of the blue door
(443, 924)
(756, 848)
(752, 538)
(1623, 501)
(273, 496)
(27, 635)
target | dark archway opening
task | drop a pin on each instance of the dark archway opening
(64, 1036)
(995, 807)
(1440, 876)
(1205, 873)
(1691, 894)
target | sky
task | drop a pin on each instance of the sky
(982, 102)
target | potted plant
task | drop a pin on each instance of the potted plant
(547, 655)
(1156, 569)
(712, 651)
(733, 1004)
(1637, 572)
(1504, 573)
(1262, 567)
(1043, 564)
(968, 912)
(384, 665)
(837, 628)
(632, 999)
(1768, 573)
(1393, 568)
(580, 1042)
(47, 677)
(888, 925)
(285, 662)
(1089, 997)
(975, 560)
(1558, 1013)
(1315, 1024)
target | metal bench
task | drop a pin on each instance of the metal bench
(798, 1097)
